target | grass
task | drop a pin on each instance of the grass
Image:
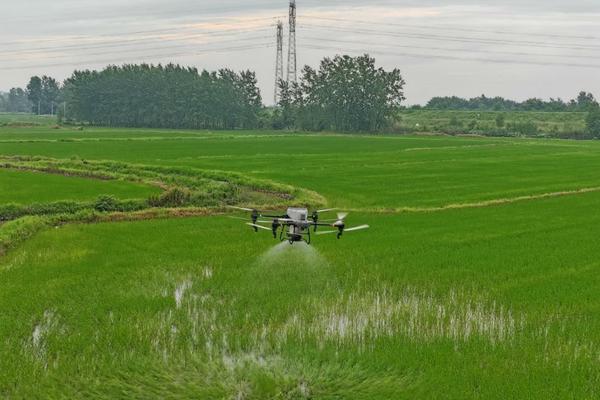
(24, 187)
(400, 319)
(493, 302)
(26, 120)
(528, 123)
(385, 171)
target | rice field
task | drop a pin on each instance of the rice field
(23, 187)
(478, 278)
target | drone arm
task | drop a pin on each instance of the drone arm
(273, 216)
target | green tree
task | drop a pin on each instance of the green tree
(50, 94)
(345, 94)
(586, 102)
(169, 96)
(34, 94)
(455, 122)
(500, 121)
(286, 105)
(484, 103)
(593, 122)
(18, 101)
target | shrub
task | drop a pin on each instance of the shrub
(500, 121)
(527, 128)
(592, 122)
(106, 204)
(9, 212)
(175, 197)
(455, 122)
(15, 232)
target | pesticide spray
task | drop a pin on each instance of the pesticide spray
(300, 253)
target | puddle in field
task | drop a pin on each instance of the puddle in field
(180, 292)
(298, 253)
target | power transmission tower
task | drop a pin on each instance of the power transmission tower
(279, 62)
(292, 62)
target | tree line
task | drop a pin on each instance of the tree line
(42, 96)
(169, 96)
(15, 101)
(583, 103)
(343, 94)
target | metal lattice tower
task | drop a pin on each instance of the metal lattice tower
(292, 62)
(279, 61)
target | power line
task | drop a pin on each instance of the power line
(453, 28)
(454, 38)
(450, 49)
(38, 40)
(144, 57)
(84, 14)
(453, 58)
(237, 40)
(129, 42)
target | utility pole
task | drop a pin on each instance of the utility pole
(279, 61)
(292, 76)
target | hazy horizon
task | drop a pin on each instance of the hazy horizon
(466, 48)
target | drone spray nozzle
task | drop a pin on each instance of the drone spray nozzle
(275, 227)
(315, 219)
(341, 228)
(254, 216)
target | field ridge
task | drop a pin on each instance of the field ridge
(479, 204)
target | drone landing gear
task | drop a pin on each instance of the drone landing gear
(295, 237)
(340, 231)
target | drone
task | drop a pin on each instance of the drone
(295, 225)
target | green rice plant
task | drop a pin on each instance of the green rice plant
(477, 279)
(15, 232)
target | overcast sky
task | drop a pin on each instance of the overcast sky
(512, 48)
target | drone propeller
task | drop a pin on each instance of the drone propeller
(326, 232)
(238, 218)
(342, 216)
(326, 210)
(258, 226)
(357, 228)
(340, 223)
(241, 208)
